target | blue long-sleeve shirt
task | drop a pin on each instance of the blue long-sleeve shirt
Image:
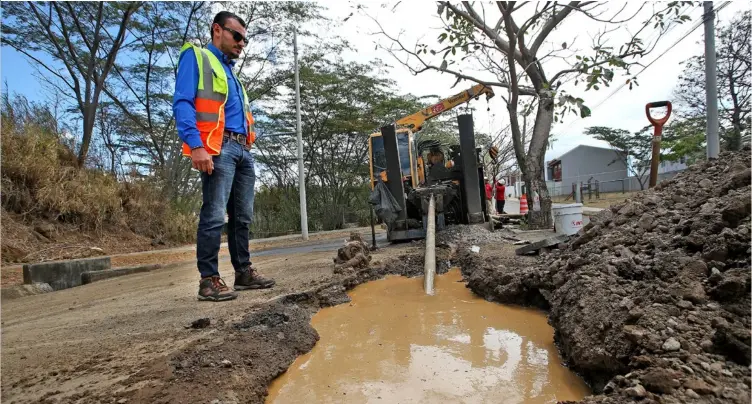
(184, 104)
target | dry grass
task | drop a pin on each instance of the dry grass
(79, 208)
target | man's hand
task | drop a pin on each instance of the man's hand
(202, 161)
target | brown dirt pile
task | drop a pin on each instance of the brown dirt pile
(651, 301)
(353, 255)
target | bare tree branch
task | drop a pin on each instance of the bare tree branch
(427, 66)
(551, 24)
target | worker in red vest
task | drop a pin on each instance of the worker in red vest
(489, 196)
(500, 200)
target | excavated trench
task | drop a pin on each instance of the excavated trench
(393, 343)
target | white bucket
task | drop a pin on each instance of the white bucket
(567, 218)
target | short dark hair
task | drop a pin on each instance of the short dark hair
(222, 17)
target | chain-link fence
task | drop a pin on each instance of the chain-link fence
(592, 186)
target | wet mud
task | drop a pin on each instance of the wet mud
(393, 343)
(236, 361)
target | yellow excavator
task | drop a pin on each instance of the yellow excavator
(411, 162)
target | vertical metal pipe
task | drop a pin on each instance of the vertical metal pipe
(430, 259)
(373, 230)
(301, 167)
(711, 85)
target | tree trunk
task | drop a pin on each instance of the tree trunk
(735, 140)
(112, 163)
(534, 177)
(533, 174)
(89, 114)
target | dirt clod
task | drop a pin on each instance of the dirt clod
(671, 344)
(698, 386)
(355, 254)
(658, 284)
(201, 323)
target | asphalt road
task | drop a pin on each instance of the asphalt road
(320, 246)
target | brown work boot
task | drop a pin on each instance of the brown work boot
(250, 278)
(214, 289)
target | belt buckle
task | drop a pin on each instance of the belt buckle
(234, 136)
(241, 139)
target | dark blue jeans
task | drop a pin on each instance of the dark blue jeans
(229, 186)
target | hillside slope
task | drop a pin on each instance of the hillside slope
(53, 210)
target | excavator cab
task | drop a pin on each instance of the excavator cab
(407, 154)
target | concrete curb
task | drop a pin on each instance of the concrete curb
(93, 276)
(63, 274)
(17, 291)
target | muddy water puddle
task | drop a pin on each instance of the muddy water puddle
(394, 344)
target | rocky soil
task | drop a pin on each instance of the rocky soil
(651, 300)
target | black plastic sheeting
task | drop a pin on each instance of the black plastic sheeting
(387, 208)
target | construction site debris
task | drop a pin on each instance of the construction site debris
(474, 235)
(355, 254)
(539, 245)
(200, 323)
(650, 300)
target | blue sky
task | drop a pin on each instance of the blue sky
(19, 74)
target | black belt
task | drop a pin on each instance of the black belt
(238, 137)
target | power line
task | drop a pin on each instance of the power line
(683, 37)
(623, 85)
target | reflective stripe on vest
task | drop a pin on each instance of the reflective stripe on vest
(211, 97)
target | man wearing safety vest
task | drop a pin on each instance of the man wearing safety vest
(214, 121)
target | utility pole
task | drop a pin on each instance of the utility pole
(301, 169)
(711, 84)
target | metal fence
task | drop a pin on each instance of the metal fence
(590, 184)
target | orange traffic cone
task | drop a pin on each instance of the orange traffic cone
(523, 204)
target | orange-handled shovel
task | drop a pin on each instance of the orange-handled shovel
(658, 125)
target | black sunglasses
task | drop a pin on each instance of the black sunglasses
(237, 36)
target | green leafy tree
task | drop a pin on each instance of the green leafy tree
(734, 78)
(514, 43)
(84, 38)
(685, 139)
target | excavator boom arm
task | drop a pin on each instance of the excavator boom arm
(415, 121)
